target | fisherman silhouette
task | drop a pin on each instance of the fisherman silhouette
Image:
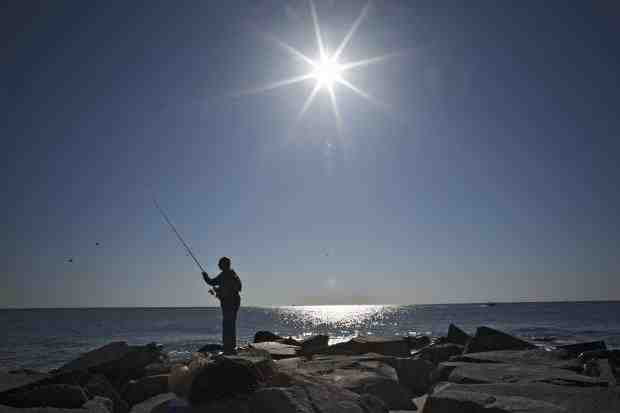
(227, 286)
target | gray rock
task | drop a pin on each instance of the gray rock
(416, 343)
(413, 374)
(117, 361)
(372, 374)
(137, 391)
(98, 385)
(438, 353)
(556, 358)
(99, 403)
(276, 350)
(485, 373)
(389, 346)
(52, 395)
(572, 399)
(488, 339)
(449, 400)
(156, 368)
(86, 408)
(313, 398)
(15, 379)
(314, 342)
(457, 336)
(164, 400)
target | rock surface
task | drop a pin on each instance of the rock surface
(263, 336)
(579, 348)
(438, 353)
(137, 391)
(276, 350)
(488, 339)
(555, 358)
(389, 346)
(457, 336)
(163, 400)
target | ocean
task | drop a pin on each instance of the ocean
(46, 338)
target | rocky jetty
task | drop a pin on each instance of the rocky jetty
(489, 371)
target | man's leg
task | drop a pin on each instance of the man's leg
(228, 329)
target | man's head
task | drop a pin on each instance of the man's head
(224, 263)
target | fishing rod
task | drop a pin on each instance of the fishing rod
(187, 248)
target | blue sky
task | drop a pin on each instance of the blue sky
(491, 177)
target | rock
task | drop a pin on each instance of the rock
(613, 355)
(416, 343)
(97, 407)
(276, 350)
(413, 374)
(165, 400)
(15, 379)
(223, 378)
(99, 403)
(606, 372)
(313, 398)
(117, 361)
(555, 358)
(488, 339)
(262, 336)
(137, 391)
(158, 368)
(439, 353)
(314, 343)
(457, 336)
(211, 348)
(449, 400)
(371, 373)
(389, 346)
(98, 385)
(51, 395)
(579, 348)
(486, 373)
(571, 399)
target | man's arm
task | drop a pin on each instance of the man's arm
(211, 281)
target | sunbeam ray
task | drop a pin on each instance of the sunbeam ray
(352, 31)
(309, 100)
(372, 60)
(290, 49)
(273, 85)
(332, 97)
(317, 29)
(365, 95)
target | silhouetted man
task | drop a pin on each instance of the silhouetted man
(227, 286)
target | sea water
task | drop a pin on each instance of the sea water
(47, 338)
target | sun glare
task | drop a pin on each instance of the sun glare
(327, 72)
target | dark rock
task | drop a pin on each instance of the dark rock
(313, 398)
(98, 385)
(211, 348)
(276, 350)
(579, 348)
(389, 346)
(371, 373)
(613, 355)
(556, 358)
(98, 402)
(488, 339)
(486, 373)
(51, 395)
(416, 343)
(137, 391)
(262, 336)
(96, 407)
(457, 336)
(439, 353)
(314, 343)
(572, 399)
(449, 400)
(19, 378)
(413, 374)
(158, 368)
(117, 361)
(290, 341)
(165, 400)
(221, 379)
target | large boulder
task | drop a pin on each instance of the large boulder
(98, 385)
(486, 373)
(262, 336)
(413, 374)
(137, 391)
(223, 378)
(51, 395)
(389, 346)
(489, 339)
(457, 336)
(372, 374)
(449, 400)
(99, 403)
(571, 399)
(555, 358)
(276, 350)
(14, 379)
(418, 342)
(313, 343)
(118, 361)
(313, 398)
(438, 353)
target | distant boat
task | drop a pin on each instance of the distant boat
(489, 304)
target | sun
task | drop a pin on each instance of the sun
(327, 71)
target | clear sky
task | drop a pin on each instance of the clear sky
(490, 174)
